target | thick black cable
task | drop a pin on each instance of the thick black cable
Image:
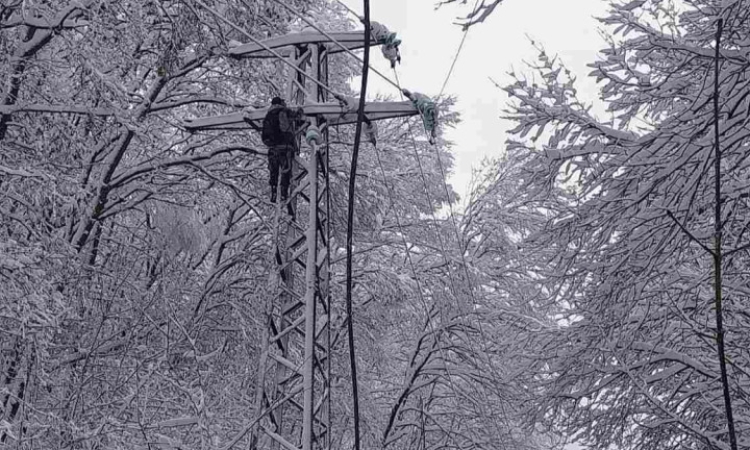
(350, 221)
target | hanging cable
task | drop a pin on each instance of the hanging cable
(448, 197)
(443, 177)
(413, 270)
(442, 169)
(459, 241)
(350, 224)
(458, 52)
(453, 64)
(430, 203)
(451, 276)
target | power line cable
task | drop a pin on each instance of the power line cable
(350, 223)
(458, 52)
(448, 196)
(447, 262)
(410, 261)
(443, 174)
(450, 201)
(453, 64)
(440, 162)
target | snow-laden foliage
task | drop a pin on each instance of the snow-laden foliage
(626, 357)
(135, 256)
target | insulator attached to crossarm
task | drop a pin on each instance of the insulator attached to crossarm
(389, 42)
(314, 136)
(371, 131)
(428, 109)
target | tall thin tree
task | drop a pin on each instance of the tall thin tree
(717, 254)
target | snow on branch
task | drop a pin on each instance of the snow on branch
(55, 109)
(480, 13)
(43, 23)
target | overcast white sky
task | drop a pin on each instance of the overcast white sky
(492, 49)
(565, 28)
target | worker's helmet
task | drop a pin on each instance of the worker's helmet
(278, 101)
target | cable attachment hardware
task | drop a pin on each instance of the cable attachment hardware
(314, 136)
(389, 42)
(371, 131)
(428, 109)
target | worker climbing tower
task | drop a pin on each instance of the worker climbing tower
(293, 384)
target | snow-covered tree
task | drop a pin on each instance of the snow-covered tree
(630, 360)
(135, 255)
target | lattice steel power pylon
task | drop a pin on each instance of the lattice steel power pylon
(293, 390)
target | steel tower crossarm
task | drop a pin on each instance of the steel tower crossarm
(332, 113)
(352, 40)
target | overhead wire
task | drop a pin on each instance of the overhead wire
(430, 203)
(443, 177)
(439, 159)
(412, 268)
(350, 224)
(447, 261)
(455, 59)
(440, 162)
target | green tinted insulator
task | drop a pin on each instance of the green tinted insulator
(392, 40)
(314, 136)
(428, 109)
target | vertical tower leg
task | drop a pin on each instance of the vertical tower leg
(311, 275)
(294, 397)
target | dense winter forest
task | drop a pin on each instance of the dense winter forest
(571, 299)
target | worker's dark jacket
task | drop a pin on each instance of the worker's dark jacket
(280, 156)
(287, 123)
